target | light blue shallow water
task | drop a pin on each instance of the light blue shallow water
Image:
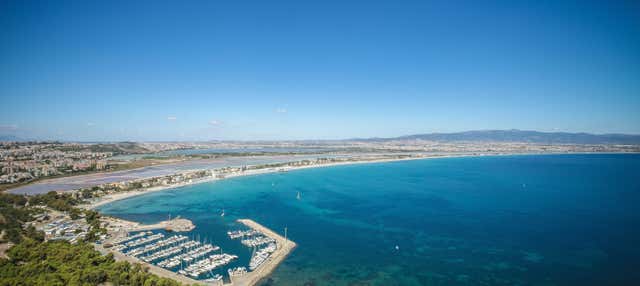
(505, 220)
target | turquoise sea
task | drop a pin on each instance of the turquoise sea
(498, 220)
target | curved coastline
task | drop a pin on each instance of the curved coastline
(472, 158)
(125, 195)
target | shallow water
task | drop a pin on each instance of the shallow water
(500, 220)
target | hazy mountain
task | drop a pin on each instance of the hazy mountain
(520, 136)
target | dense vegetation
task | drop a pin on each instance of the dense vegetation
(61, 263)
(31, 261)
(115, 148)
(13, 214)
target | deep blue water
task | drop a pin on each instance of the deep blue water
(503, 220)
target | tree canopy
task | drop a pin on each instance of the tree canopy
(62, 263)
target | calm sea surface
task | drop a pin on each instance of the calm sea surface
(503, 220)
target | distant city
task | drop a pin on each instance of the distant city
(24, 161)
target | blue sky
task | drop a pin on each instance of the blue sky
(202, 70)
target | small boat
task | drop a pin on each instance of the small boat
(222, 214)
(298, 196)
(214, 278)
(238, 271)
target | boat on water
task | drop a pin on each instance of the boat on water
(257, 241)
(131, 237)
(242, 233)
(200, 267)
(237, 271)
(214, 278)
(144, 240)
(261, 256)
(298, 196)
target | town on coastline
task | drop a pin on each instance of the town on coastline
(26, 162)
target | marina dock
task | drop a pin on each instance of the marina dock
(284, 247)
(152, 268)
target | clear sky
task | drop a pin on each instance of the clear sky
(201, 70)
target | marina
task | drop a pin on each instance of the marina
(283, 246)
(144, 240)
(257, 241)
(261, 256)
(195, 260)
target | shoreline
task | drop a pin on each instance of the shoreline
(285, 246)
(76, 181)
(125, 195)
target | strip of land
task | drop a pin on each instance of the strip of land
(125, 195)
(177, 224)
(73, 182)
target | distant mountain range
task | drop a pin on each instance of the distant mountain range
(515, 135)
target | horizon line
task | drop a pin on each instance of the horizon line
(19, 139)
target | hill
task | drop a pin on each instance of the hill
(515, 135)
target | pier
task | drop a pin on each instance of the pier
(177, 224)
(284, 247)
(116, 225)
